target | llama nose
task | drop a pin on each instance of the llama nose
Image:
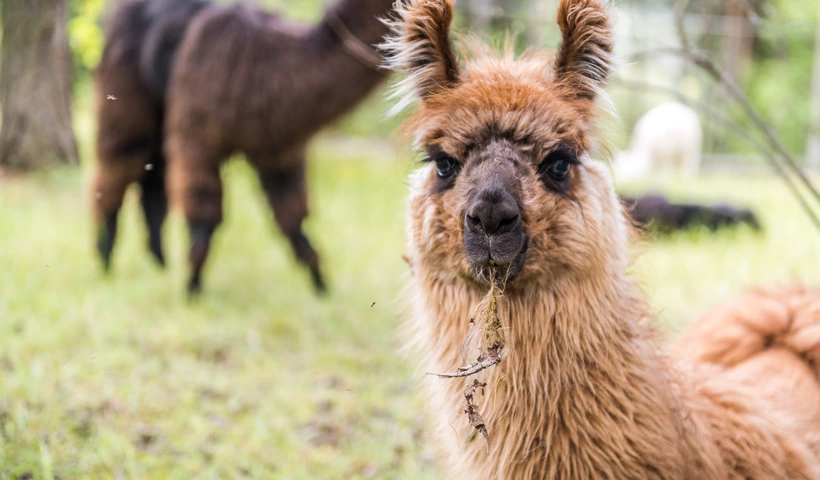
(494, 212)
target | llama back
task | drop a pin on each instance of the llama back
(145, 34)
(168, 22)
(767, 341)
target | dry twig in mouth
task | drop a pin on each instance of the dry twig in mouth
(485, 360)
(486, 323)
(487, 333)
(472, 410)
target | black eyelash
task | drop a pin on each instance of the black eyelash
(443, 181)
(564, 152)
(435, 153)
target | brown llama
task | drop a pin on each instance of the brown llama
(248, 82)
(238, 79)
(141, 39)
(509, 190)
(656, 213)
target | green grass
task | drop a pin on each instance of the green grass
(687, 272)
(119, 377)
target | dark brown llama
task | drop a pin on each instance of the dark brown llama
(656, 213)
(141, 38)
(246, 81)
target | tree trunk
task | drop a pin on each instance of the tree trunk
(813, 147)
(737, 50)
(35, 85)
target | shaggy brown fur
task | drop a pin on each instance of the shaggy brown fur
(130, 104)
(243, 80)
(583, 390)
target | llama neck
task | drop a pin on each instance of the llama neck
(580, 381)
(340, 76)
(360, 18)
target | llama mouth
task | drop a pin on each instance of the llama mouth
(502, 273)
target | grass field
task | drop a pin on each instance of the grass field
(120, 377)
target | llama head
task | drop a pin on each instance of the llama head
(509, 189)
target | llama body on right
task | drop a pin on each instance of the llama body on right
(508, 190)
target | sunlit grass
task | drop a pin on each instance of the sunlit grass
(687, 272)
(120, 377)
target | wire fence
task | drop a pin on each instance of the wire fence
(772, 58)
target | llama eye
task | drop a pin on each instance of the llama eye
(445, 167)
(559, 169)
(557, 165)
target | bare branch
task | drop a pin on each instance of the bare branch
(739, 130)
(484, 361)
(680, 14)
(726, 81)
(723, 78)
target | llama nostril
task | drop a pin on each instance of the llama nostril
(474, 223)
(499, 221)
(507, 223)
(492, 218)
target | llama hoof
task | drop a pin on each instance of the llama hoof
(194, 289)
(159, 257)
(105, 255)
(318, 281)
(200, 243)
(105, 241)
(106, 265)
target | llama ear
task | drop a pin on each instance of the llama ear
(419, 45)
(584, 57)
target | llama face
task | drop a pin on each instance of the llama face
(520, 204)
(508, 189)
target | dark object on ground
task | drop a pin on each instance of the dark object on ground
(196, 83)
(655, 212)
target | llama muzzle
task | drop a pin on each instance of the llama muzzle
(494, 237)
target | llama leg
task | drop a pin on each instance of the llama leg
(111, 180)
(155, 206)
(197, 187)
(128, 138)
(106, 236)
(203, 210)
(286, 190)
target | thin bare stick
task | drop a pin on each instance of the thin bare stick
(726, 80)
(680, 13)
(484, 361)
(644, 87)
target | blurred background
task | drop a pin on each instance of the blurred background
(119, 376)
